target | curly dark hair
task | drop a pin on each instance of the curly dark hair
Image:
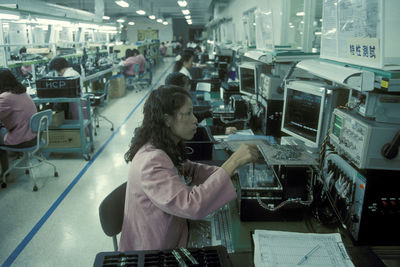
(167, 99)
(8, 83)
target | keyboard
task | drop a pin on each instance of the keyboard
(221, 229)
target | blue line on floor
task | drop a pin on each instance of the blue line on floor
(53, 207)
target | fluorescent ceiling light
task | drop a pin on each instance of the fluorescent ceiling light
(122, 3)
(120, 20)
(189, 22)
(141, 12)
(299, 14)
(182, 3)
(43, 27)
(188, 17)
(108, 28)
(106, 17)
(8, 16)
(159, 20)
(165, 23)
(152, 17)
(131, 23)
(185, 11)
(88, 26)
(55, 22)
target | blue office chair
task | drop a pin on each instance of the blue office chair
(139, 81)
(39, 124)
(97, 100)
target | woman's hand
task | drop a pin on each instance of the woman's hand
(230, 130)
(245, 154)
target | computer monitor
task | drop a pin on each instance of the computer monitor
(307, 110)
(249, 73)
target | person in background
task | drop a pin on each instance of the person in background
(62, 67)
(26, 70)
(132, 58)
(164, 189)
(181, 80)
(163, 49)
(16, 110)
(184, 63)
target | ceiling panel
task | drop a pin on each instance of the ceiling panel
(160, 8)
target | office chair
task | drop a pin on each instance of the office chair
(139, 81)
(39, 124)
(96, 101)
(111, 213)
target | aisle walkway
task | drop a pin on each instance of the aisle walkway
(59, 224)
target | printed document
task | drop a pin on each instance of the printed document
(279, 248)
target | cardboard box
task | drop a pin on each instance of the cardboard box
(117, 86)
(58, 119)
(64, 138)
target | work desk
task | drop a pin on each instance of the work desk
(243, 248)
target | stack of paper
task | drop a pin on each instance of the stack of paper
(277, 248)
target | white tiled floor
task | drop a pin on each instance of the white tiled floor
(59, 224)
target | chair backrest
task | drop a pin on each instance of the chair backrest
(111, 211)
(40, 121)
(136, 68)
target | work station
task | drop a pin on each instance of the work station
(199, 133)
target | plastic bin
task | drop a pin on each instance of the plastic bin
(201, 145)
(50, 87)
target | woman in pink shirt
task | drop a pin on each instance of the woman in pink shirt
(132, 58)
(16, 110)
(165, 189)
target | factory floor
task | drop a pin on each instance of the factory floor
(58, 225)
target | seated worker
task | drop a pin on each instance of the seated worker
(181, 80)
(184, 63)
(133, 57)
(16, 110)
(25, 70)
(63, 69)
(165, 189)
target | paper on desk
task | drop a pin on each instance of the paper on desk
(278, 248)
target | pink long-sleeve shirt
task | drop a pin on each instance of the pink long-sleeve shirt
(16, 111)
(130, 63)
(158, 201)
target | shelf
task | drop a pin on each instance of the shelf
(16, 64)
(278, 56)
(356, 77)
(99, 74)
(72, 124)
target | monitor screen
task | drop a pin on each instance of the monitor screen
(247, 80)
(248, 76)
(302, 113)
